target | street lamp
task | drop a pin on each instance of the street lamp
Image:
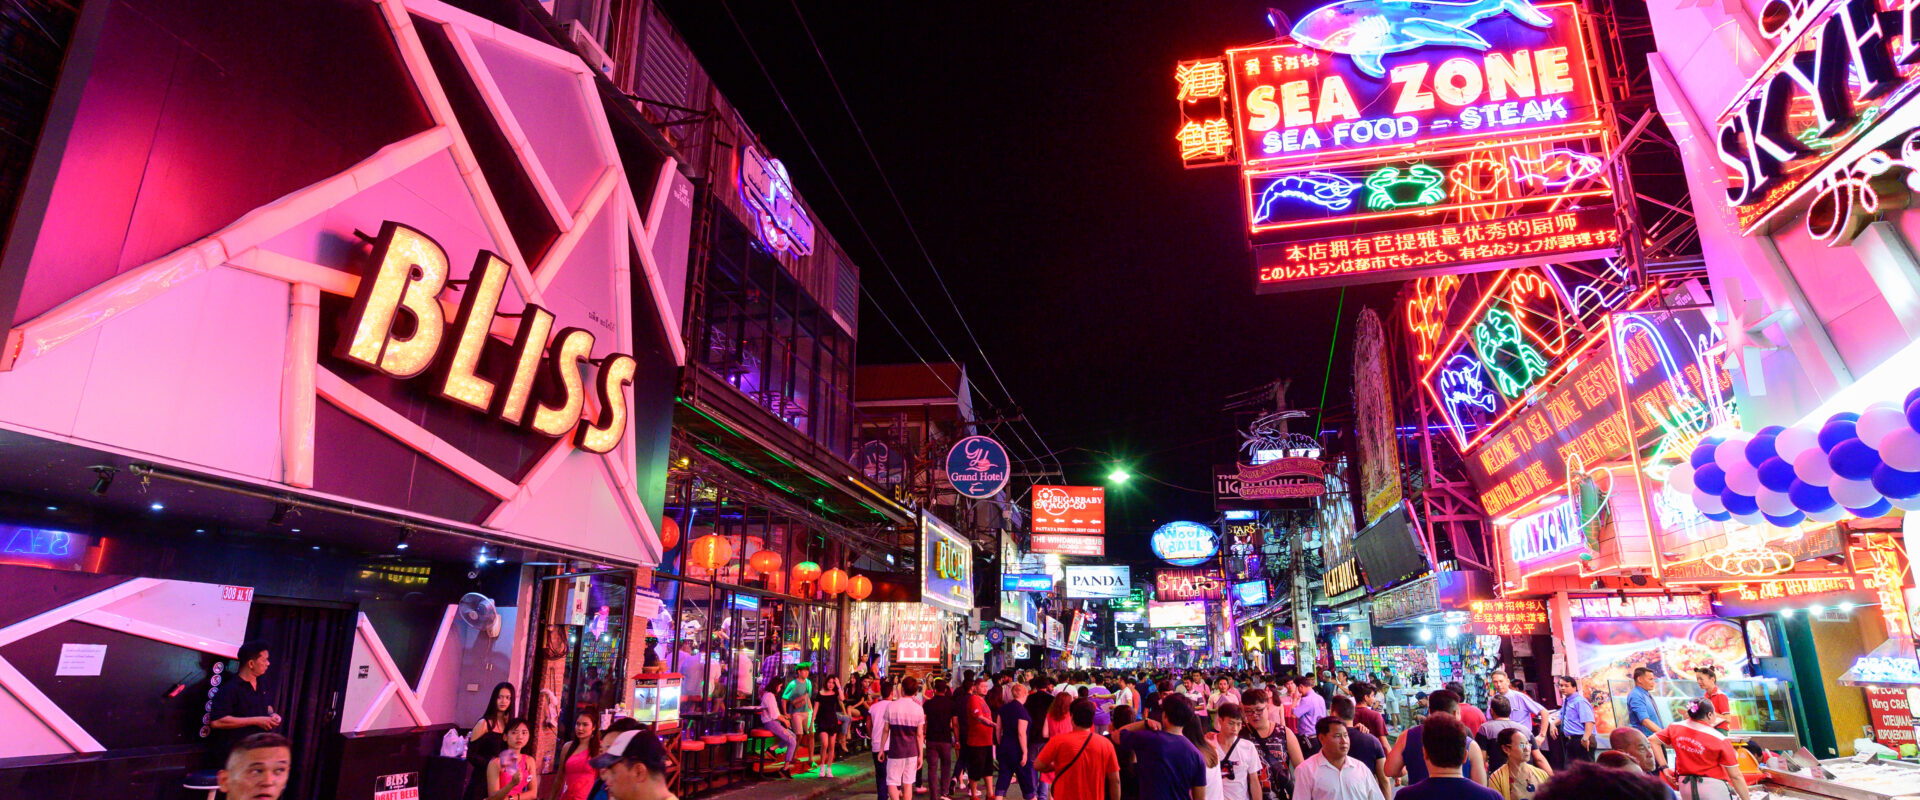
(1119, 475)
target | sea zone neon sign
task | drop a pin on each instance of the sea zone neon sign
(1549, 533)
(541, 389)
(1297, 103)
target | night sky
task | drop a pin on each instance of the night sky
(1032, 147)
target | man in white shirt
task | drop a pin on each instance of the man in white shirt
(877, 731)
(1330, 774)
(1240, 760)
(1223, 694)
(906, 725)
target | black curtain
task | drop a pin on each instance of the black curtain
(308, 649)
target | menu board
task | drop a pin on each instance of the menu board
(1640, 606)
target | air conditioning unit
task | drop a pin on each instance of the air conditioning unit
(589, 48)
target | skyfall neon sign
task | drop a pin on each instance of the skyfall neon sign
(1356, 79)
(396, 326)
(1850, 64)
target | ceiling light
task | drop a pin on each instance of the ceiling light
(157, 506)
(103, 479)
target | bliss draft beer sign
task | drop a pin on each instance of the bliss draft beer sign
(396, 326)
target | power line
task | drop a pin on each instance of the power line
(901, 207)
(871, 243)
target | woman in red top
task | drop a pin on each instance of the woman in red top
(1709, 684)
(1704, 765)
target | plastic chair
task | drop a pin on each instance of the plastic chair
(204, 780)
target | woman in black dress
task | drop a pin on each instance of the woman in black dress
(488, 738)
(826, 722)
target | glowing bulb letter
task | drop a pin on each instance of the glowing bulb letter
(535, 324)
(409, 270)
(1264, 112)
(570, 347)
(600, 435)
(460, 383)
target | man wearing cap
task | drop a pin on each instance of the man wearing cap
(634, 767)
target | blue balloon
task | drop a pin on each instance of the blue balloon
(1760, 449)
(1771, 430)
(1913, 415)
(1810, 498)
(1702, 456)
(1880, 508)
(1718, 516)
(1738, 503)
(1849, 416)
(1853, 460)
(1912, 397)
(1836, 431)
(1894, 483)
(1710, 478)
(1776, 474)
(1787, 521)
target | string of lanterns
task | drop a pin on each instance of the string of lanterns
(715, 551)
(1860, 465)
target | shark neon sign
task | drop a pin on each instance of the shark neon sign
(1369, 30)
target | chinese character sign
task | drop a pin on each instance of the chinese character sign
(1406, 253)
(1350, 85)
(1205, 135)
(1507, 617)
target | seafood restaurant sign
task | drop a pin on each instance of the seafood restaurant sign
(1368, 119)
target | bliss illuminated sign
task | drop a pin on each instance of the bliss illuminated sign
(396, 326)
(1357, 78)
(764, 184)
(1549, 533)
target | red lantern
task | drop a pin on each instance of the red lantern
(765, 562)
(712, 551)
(669, 534)
(859, 587)
(833, 581)
(805, 571)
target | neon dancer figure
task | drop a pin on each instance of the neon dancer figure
(1368, 30)
(1515, 364)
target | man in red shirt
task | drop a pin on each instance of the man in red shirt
(1086, 765)
(1469, 716)
(982, 729)
(1363, 711)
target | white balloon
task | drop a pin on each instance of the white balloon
(1834, 514)
(1794, 441)
(1901, 450)
(1754, 519)
(1908, 504)
(1853, 494)
(1708, 503)
(1775, 503)
(1879, 421)
(1745, 480)
(1732, 454)
(1812, 467)
(1680, 478)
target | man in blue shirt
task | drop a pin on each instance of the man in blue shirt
(1641, 714)
(1524, 710)
(1167, 766)
(1308, 711)
(1576, 723)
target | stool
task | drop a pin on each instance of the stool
(205, 780)
(718, 765)
(761, 745)
(695, 768)
(737, 749)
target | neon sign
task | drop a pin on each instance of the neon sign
(1850, 61)
(1323, 189)
(764, 184)
(1418, 185)
(1367, 30)
(1513, 362)
(1301, 99)
(1184, 543)
(1878, 555)
(1549, 533)
(1206, 131)
(1200, 80)
(541, 391)
(1415, 252)
(1560, 167)
(1427, 312)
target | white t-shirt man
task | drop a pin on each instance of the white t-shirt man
(899, 718)
(1240, 771)
(877, 724)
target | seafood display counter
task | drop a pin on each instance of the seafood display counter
(1762, 707)
(1843, 779)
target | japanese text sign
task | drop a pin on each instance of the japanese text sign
(1297, 104)
(1406, 253)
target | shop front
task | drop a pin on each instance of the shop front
(298, 352)
(1421, 634)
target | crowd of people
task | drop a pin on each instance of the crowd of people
(1116, 735)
